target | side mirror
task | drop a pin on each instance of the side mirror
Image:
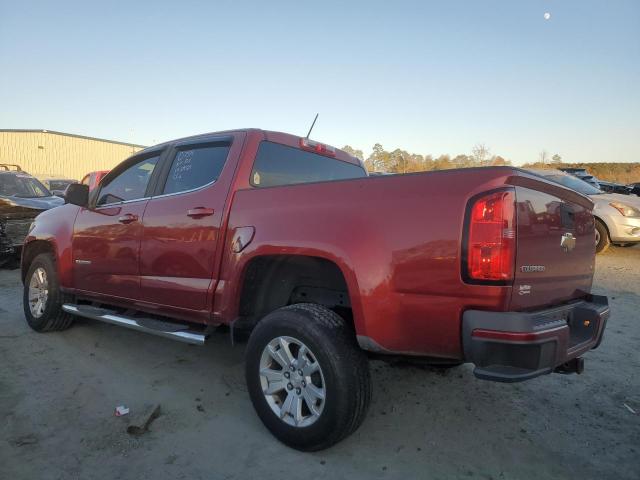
(77, 194)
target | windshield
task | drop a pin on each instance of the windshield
(23, 186)
(574, 184)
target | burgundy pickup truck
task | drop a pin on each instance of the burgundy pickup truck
(291, 240)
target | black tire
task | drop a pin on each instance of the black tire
(53, 317)
(604, 242)
(344, 365)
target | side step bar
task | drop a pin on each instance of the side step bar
(175, 331)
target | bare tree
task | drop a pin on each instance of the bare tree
(352, 151)
(543, 157)
(480, 153)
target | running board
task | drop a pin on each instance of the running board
(175, 331)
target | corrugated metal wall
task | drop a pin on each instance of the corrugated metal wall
(53, 154)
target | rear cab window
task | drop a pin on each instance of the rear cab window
(195, 166)
(278, 164)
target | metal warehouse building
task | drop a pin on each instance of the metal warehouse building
(45, 153)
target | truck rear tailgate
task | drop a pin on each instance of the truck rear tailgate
(555, 250)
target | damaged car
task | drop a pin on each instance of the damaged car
(22, 198)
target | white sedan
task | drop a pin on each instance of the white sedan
(617, 216)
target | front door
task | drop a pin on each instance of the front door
(181, 227)
(106, 238)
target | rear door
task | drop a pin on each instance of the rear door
(182, 226)
(555, 251)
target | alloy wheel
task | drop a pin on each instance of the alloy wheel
(38, 292)
(292, 381)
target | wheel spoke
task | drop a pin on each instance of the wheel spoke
(314, 392)
(310, 400)
(278, 356)
(275, 387)
(38, 307)
(296, 409)
(302, 357)
(271, 374)
(310, 369)
(275, 381)
(284, 348)
(286, 406)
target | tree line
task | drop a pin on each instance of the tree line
(401, 161)
(617, 172)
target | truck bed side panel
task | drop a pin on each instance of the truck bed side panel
(396, 240)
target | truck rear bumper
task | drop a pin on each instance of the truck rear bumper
(517, 346)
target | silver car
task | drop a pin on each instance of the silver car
(617, 216)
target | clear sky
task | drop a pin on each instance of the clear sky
(426, 76)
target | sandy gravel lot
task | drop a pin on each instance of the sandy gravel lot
(58, 392)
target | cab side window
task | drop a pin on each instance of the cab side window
(194, 167)
(130, 184)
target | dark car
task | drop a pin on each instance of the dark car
(583, 175)
(22, 198)
(57, 186)
(634, 188)
(610, 187)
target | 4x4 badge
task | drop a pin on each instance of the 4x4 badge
(532, 268)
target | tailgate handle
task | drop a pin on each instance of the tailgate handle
(200, 212)
(128, 218)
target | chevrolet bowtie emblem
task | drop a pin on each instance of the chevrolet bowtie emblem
(568, 242)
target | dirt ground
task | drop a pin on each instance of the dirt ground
(58, 392)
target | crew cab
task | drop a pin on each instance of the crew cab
(291, 240)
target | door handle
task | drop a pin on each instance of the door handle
(128, 218)
(200, 212)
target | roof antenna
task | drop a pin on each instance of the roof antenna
(314, 122)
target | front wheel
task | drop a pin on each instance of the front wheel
(602, 237)
(42, 299)
(307, 378)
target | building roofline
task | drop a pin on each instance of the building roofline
(17, 130)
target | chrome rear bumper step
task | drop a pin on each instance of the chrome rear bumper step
(174, 331)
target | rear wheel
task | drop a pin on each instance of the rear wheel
(602, 237)
(308, 379)
(42, 299)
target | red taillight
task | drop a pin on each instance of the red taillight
(317, 147)
(492, 237)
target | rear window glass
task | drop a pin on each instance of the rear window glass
(195, 167)
(278, 164)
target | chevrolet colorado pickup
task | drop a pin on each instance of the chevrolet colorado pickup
(291, 240)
